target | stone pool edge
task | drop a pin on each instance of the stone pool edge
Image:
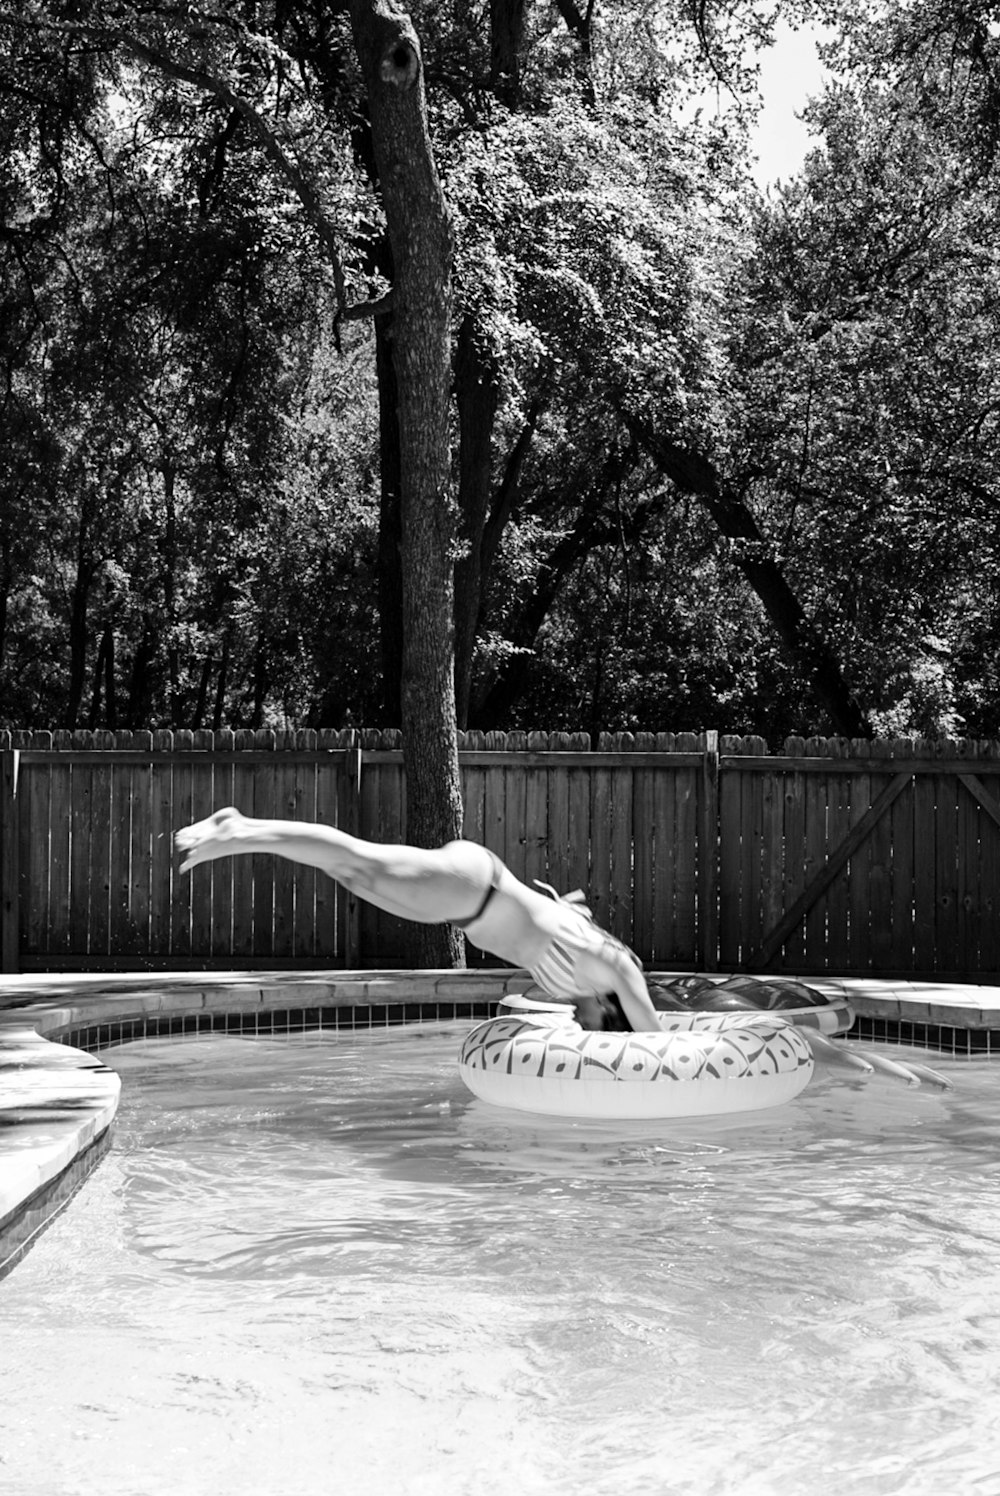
(58, 1100)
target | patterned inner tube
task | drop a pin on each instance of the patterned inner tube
(700, 1064)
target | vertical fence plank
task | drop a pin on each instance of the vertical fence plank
(879, 942)
(473, 790)
(382, 812)
(196, 885)
(79, 914)
(219, 931)
(137, 877)
(838, 826)
(578, 811)
(57, 943)
(121, 935)
(967, 853)
(792, 791)
(989, 871)
(10, 882)
(772, 850)
(902, 854)
(494, 804)
(101, 819)
(474, 809)
(622, 840)
(203, 803)
(263, 864)
(163, 873)
(557, 873)
(946, 787)
(814, 953)
(708, 854)
(326, 947)
(730, 855)
(368, 807)
(924, 944)
(304, 922)
(536, 811)
(741, 832)
(241, 879)
(285, 874)
(600, 838)
(859, 868)
(665, 854)
(515, 808)
(644, 854)
(35, 822)
(751, 860)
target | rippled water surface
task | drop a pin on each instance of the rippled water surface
(319, 1266)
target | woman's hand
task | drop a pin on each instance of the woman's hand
(211, 838)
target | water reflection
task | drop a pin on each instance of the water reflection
(718, 1305)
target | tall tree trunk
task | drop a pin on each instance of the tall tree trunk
(139, 699)
(219, 709)
(421, 239)
(261, 681)
(110, 688)
(104, 682)
(506, 44)
(79, 633)
(6, 584)
(478, 396)
(390, 570)
(201, 699)
(169, 553)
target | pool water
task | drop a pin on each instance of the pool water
(318, 1265)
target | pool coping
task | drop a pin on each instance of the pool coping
(58, 1099)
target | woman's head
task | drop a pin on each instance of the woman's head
(602, 1013)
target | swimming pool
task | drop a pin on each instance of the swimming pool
(318, 1264)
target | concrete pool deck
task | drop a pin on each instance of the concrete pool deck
(57, 1100)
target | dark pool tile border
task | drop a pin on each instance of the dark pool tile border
(270, 1022)
(942, 1037)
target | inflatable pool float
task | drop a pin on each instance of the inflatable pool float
(539, 1059)
(786, 998)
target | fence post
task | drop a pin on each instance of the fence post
(708, 855)
(9, 863)
(352, 817)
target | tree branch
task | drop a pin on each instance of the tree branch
(208, 82)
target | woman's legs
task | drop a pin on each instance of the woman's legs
(428, 885)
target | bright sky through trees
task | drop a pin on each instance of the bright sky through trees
(790, 73)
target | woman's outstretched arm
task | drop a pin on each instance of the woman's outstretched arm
(228, 833)
(612, 969)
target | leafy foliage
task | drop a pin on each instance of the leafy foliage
(190, 507)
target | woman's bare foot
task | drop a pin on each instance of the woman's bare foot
(210, 838)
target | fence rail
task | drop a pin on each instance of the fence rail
(835, 856)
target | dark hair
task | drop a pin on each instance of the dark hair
(613, 1020)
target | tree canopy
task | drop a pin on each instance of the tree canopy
(701, 456)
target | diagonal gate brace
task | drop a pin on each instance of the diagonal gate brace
(815, 890)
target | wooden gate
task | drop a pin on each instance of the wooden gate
(860, 858)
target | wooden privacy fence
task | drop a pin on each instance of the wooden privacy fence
(834, 856)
